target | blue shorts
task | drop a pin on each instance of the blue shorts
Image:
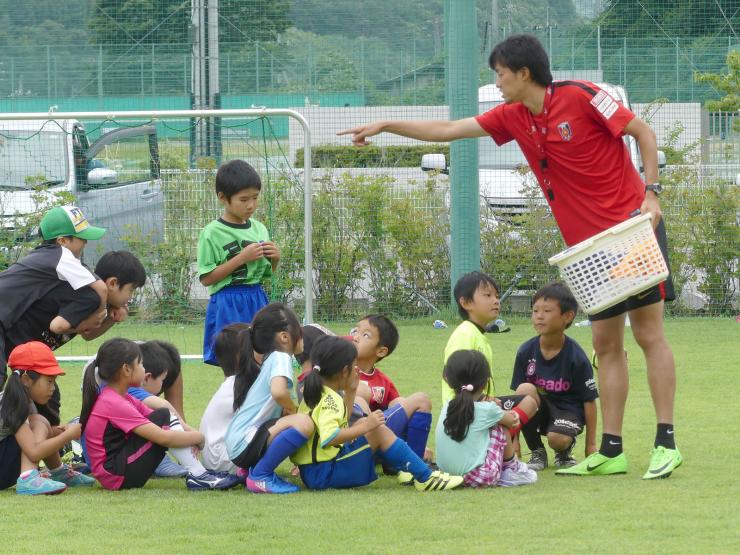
(10, 462)
(353, 466)
(396, 420)
(230, 305)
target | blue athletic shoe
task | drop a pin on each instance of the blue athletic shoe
(170, 469)
(36, 484)
(211, 480)
(272, 484)
(67, 475)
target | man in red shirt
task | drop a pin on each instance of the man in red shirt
(571, 134)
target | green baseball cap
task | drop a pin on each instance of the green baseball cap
(65, 221)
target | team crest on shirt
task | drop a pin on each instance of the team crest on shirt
(531, 367)
(566, 133)
(378, 394)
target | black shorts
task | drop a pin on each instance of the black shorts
(256, 448)
(662, 292)
(508, 402)
(10, 462)
(136, 473)
(552, 419)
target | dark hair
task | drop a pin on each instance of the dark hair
(121, 265)
(14, 410)
(227, 346)
(329, 356)
(464, 369)
(159, 357)
(112, 355)
(387, 331)
(267, 323)
(466, 287)
(311, 334)
(235, 176)
(518, 51)
(558, 292)
(172, 361)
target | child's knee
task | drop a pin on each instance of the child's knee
(37, 421)
(529, 390)
(364, 392)
(420, 402)
(304, 424)
(559, 442)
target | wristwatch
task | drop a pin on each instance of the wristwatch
(656, 188)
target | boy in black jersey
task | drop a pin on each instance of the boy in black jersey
(553, 369)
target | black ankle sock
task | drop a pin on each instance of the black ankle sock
(611, 446)
(664, 436)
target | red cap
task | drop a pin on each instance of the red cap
(36, 356)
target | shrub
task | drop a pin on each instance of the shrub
(371, 156)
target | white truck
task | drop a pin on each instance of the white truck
(114, 180)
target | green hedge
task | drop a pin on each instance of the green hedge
(372, 156)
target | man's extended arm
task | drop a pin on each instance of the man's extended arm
(422, 130)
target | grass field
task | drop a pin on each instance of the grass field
(691, 512)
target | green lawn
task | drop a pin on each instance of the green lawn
(690, 512)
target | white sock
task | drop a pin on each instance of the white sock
(184, 455)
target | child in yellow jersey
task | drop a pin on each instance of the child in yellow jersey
(477, 296)
(341, 456)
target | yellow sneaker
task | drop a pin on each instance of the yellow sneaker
(439, 481)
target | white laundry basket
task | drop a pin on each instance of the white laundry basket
(619, 262)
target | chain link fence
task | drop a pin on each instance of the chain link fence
(381, 225)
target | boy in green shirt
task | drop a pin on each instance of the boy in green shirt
(235, 254)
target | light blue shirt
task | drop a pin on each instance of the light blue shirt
(259, 406)
(460, 458)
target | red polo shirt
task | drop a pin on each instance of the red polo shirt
(589, 180)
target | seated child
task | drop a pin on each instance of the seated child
(26, 437)
(124, 438)
(337, 455)
(258, 438)
(410, 418)
(477, 296)
(163, 372)
(227, 349)
(553, 369)
(471, 435)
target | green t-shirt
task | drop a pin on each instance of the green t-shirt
(468, 336)
(329, 417)
(220, 241)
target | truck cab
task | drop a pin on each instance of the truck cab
(115, 179)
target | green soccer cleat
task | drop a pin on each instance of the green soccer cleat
(663, 462)
(596, 464)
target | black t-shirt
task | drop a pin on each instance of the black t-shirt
(62, 300)
(35, 276)
(567, 379)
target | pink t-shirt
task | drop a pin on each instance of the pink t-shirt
(107, 430)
